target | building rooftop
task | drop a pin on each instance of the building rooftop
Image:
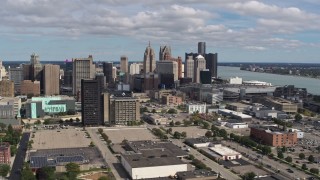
(4, 146)
(168, 147)
(197, 174)
(138, 160)
(199, 140)
(239, 114)
(223, 151)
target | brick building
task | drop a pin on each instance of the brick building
(5, 153)
(30, 88)
(7, 88)
(171, 100)
(273, 136)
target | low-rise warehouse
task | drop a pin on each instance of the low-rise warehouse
(225, 153)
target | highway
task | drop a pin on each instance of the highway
(109, 158)
(20, 156)
(225, 173)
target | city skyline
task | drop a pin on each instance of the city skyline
(240, 31)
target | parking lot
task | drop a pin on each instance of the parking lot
(117, 135)
(59, 138)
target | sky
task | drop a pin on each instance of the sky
(238, 30)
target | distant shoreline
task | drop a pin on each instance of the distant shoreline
(282, 74)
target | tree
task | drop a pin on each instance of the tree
(100, 130)
(302, 156)
(103, 178)
(37, 122)
(169, 131)
(60, 121)
(71, 120)
(298, 117)
(304, 167)
(91, 144)
(171, 123)
(176, 135)
(249, 176)
(177, 123)
(183, 134)
(45, 173)
(283, 149)
(27, 173)
(311, 158)
(314, 170)
(46, 122)
(153, 111)
(77, 120)
(72, 167)
(205, 125)
(208, 134)
(280, 155)
(266, 150)
(13, 150)
(172, 111)
(289, 159)
(4, 170)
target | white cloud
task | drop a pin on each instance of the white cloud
(257, 48)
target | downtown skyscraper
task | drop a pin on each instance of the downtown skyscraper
(149, 60)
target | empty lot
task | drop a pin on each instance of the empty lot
(192, 131)
(117, 135)
(63, 138)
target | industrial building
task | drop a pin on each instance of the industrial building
(279, 104)
(273, 136)
(199, 142)
(149, 159)
(10, 110)
(234, 114)
(199, 174)
(224, 153)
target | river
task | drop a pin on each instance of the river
(312, 85)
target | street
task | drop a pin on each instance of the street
(110, 158)
(225, 173)
(274, 165)
(20, 156)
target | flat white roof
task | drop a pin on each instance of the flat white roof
(223, 151)
(235, 113)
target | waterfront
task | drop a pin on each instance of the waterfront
(312, 85)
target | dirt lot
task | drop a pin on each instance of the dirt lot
(192, 131)
(62, 138)
(117, 135)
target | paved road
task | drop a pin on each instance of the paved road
(208, 162)
(271, 163)
(109, 158)
(20, 156)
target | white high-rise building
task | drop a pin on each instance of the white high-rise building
(199, 64)
(135, 68)
(168, 67)
(0, 70)
(189, 68)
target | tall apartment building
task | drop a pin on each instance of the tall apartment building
(135, 68)
(83, 68)
(16, 75)
(199, 65)
(51, 79)
(149, 60)
(202, 48)
(189, 68)
(273, 136)
(124, 64)
(91, 101)
(7, 88)
(165, 53)
(28, 87)
(212, 63)
(108, 72)
(168, 67)
(123, 108)
(5, 153)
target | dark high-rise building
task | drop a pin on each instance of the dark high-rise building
(212, 63)
(107, 71)
(167, 81)
(91, 100)
(205, 76)
(67, 78)
(202, 48)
